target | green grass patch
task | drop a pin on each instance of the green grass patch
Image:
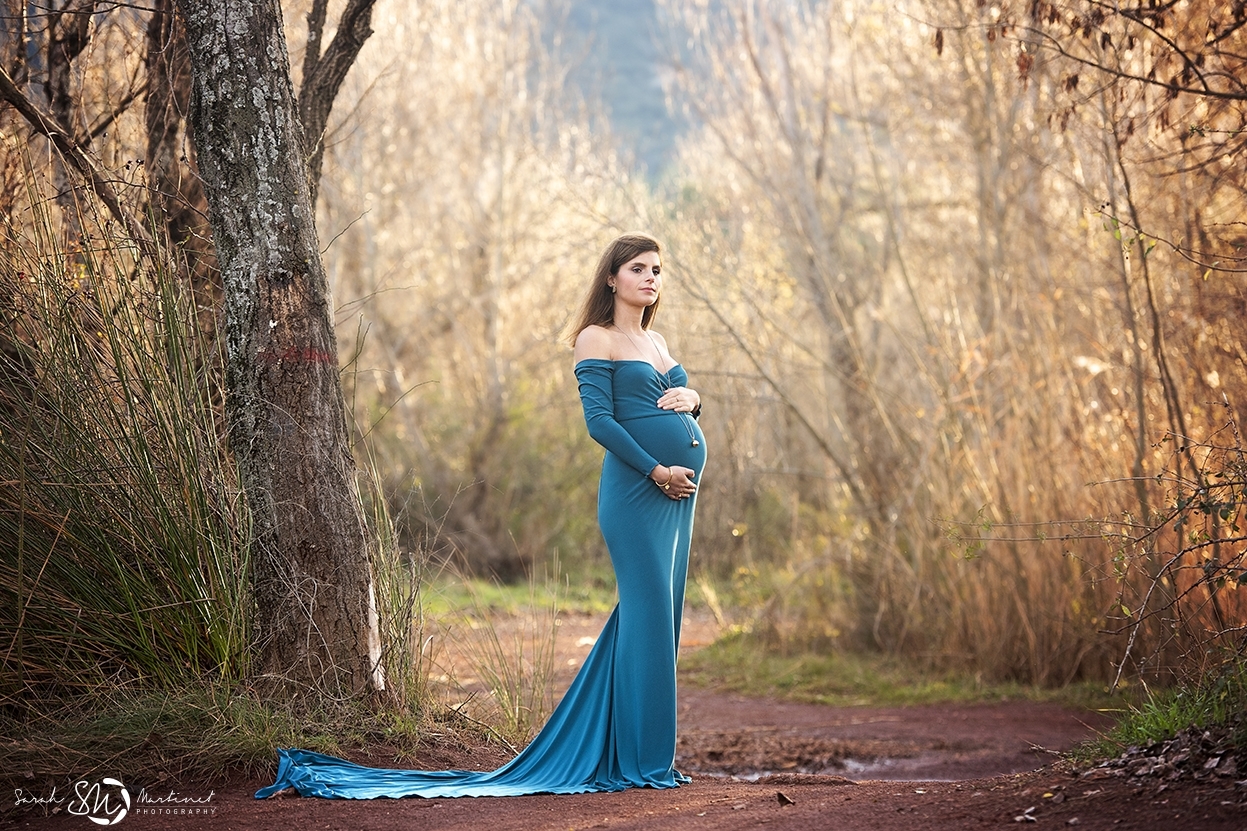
(744, 664)
(1220, 700)
(450, 595)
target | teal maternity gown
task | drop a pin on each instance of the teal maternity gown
(615, 728)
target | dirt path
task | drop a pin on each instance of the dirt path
(932, 767)
(728, 734)
(1049, 797)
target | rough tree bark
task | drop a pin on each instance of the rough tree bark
(315, 616)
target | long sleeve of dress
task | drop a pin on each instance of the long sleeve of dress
(597, 397)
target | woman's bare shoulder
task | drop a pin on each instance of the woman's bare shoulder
(662, 348)
(594, 342)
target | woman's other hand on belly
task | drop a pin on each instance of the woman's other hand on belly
(676, 481)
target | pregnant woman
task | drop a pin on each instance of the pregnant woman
(615, 727)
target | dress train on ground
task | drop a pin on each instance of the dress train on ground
(615, 727)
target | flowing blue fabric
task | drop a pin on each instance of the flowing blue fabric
(615, 727)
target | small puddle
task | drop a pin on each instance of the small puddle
(909, 769)
(929, 766)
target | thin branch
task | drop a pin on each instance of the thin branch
(1179, 89)
(1189, 254)
(117, 111)
(72, 152)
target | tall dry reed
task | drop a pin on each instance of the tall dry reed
(123, 532)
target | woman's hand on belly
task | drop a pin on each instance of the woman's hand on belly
(676, 481)
(679, 399)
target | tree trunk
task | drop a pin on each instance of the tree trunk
(177, 196)
(69, 32)
(316, 622)
(13, 36)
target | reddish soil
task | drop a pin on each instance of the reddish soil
(1050, 797)
(776, 764)
(744, 737)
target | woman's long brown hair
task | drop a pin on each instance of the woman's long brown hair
(598, 308)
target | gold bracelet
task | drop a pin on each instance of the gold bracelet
(666, 485)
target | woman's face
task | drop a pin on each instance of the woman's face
(639, 280)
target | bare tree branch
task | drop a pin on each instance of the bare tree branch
(77, 157)
(323, 75)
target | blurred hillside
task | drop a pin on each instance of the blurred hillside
(624, 57)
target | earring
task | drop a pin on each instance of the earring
(612, 288)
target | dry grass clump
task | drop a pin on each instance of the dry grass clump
(125, 535)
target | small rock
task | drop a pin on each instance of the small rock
(784, 799)
(1058, 797)
(1228, 767)
(1212, 763)
(1072, 821)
